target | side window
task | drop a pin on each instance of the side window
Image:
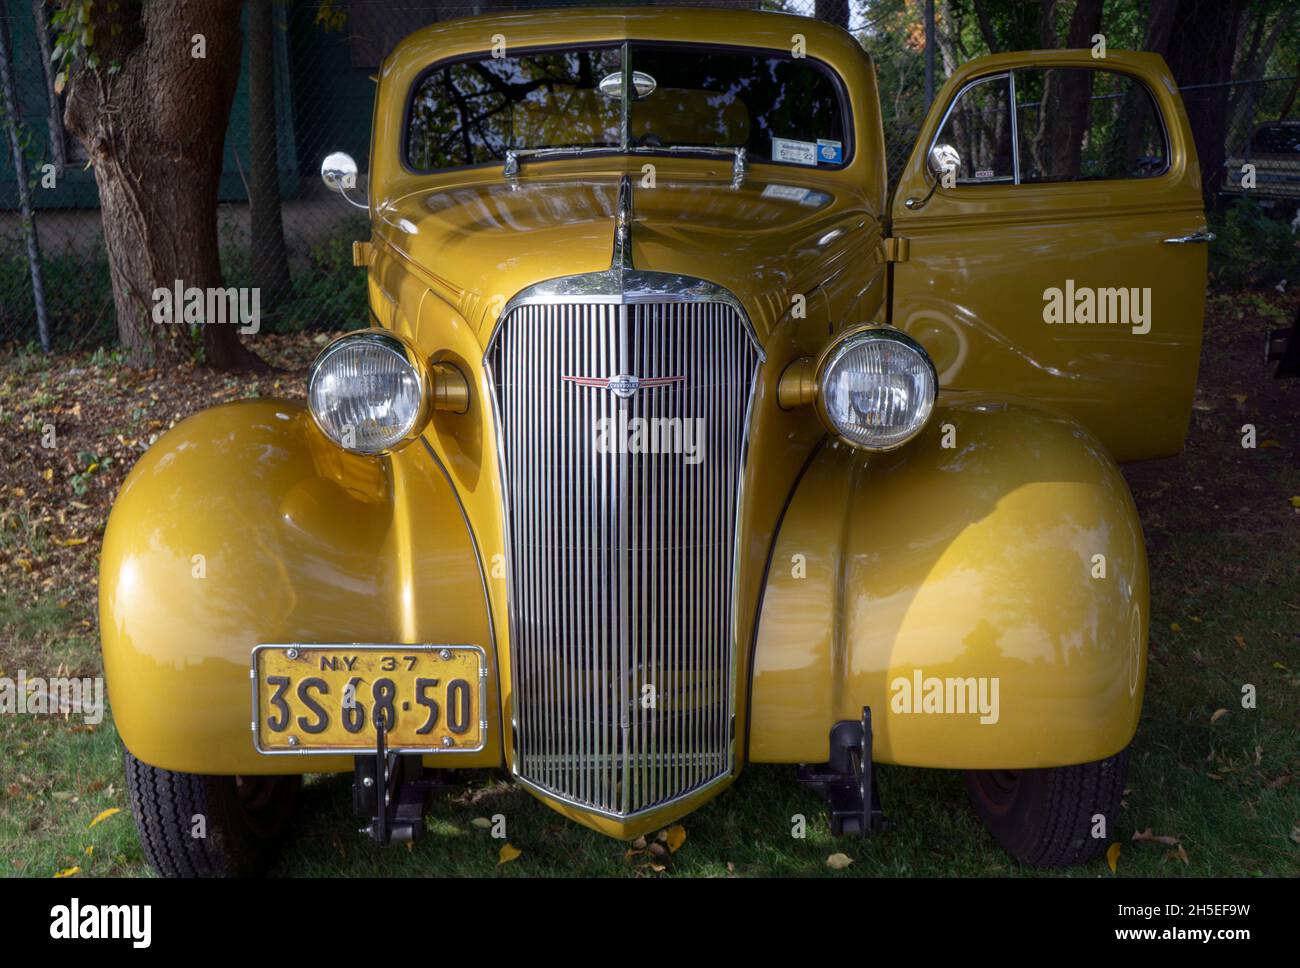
(1069, 124)
(1078, 124)
(979, 127)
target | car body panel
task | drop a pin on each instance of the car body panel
(976, 560)
(983, 256)
(243, 525)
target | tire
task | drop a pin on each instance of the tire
(1046, 818)
(243, 817)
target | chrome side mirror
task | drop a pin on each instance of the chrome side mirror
(339, 173)
(942, 158)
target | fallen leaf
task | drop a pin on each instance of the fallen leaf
(71, 542)
(483, 823)
(676, 837)
(657, 868)
(838, 861)
(1295, 502)
(639, 843)
(1147, 835)
(507, 853)
(104, 815)
(1112, 856)
(1174, 626)
(68, 872)
(1218, 714)
(1240, 640)
(410, 847)
(90, 851)
(1269, 443)
(1179, 854)
(1239, 397)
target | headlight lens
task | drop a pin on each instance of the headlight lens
(369, 392)
(876, 388)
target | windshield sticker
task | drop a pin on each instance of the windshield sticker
(795, 152)
(984, 173)
(829, 152)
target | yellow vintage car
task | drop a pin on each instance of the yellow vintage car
(679, 440)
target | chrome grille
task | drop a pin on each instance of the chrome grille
(622, 563)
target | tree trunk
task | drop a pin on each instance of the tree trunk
(42, 29)
(1201, 48)
(270, 257)
(1068, 104)
(9, 106)
(154, 132)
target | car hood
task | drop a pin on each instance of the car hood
(483, 239)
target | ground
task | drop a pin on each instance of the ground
(1212, 788)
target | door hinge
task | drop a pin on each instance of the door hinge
(361, 253)
(894, 250)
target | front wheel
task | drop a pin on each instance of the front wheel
(1055, 817)
(208, 826)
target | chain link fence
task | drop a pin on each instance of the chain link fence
(323, 56)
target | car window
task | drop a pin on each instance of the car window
(470, 112)
(1076, 124)
(778, 107)
(979, 127)
(1070, 124)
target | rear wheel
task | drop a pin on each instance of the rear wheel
(1051, 817)
(208, 826)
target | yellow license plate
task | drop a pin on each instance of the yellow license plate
(325, 698)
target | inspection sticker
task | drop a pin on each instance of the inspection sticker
(829, 152)
(795, 152)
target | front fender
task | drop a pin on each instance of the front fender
(244, 525)
(1010, 561)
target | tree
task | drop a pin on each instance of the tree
(150, 89)
(12, 124)
(270, 258)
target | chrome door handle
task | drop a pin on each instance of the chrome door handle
(1202, 236)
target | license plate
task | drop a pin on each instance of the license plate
(324, 698)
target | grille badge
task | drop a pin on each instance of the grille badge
(625, 384)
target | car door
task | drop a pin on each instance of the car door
(1061, 255)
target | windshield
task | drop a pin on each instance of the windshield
(777, 107)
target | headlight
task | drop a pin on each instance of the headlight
(876, 388)
(369, 392)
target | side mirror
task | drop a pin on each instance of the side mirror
(339, 172)
(942, 158)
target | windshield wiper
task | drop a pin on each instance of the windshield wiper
(514, 156)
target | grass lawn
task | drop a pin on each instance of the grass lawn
(1212, 787)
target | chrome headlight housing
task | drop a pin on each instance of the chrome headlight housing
(370, 392)
(876, 388)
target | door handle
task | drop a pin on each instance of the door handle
(1201, 236)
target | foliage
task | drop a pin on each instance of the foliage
(1252, 248)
